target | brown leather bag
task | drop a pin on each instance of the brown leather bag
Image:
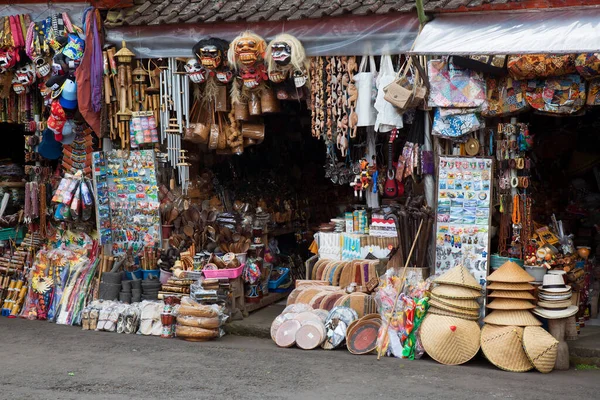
(253, 130)
(199, 127)
(213, 139)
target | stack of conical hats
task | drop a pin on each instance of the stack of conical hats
(450, 332)
(510, 300)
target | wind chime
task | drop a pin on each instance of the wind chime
(174, 114)
(123, 84)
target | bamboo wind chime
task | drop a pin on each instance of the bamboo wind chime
(175, 116)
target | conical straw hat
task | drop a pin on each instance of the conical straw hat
(438, 311)
(459, 276)
(450, 340)
(503, 347)
(516, 317)
(510, 294)
(510, 304)
(509, 286)
(458, 303)
(541, 348)
(510, 272)
(442, 306)
(455, 292)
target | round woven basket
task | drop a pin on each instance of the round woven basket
(361, 338)
(310, 335)
(540, 347)
(362, 303)
(307, 295)
(449, 340)
(513, 317)
(510, 304)
(455, 292)
(280, 319)
(329, 301)
(503, 347)
(472, 305)
(510, 286)
(512, 294)
(286, 334)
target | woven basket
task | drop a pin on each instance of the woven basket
(455, 292)
(503, 347)
(307, 295)
(315, 268)
(449, 340)
(329, 301)
(286, 334)
(347, 275)
(362, 303)
(338, 273)
(508, 318)
(310, 335)
(361, 338)
(540, 347)
(510, 304)
(280, 319)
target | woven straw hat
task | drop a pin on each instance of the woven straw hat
(556, 314)
(511, 294)
(442, 306)
(513, 317)
(459, 276)
(558, 297)
(449, 340)
(458, 303)
(509, 286)
(503, 347)
(510, 304)
(554, 304)
(541, 348)
(455, 292)
(438, 311)
(510, 272)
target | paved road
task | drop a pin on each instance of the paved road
(40, 360)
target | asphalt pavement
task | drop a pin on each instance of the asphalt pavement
(41, 360)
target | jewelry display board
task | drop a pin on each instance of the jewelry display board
(127, 198)
(464, 214)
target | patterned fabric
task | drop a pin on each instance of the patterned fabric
(593, 95)
(588, 65)
(560, 95)
(453, 87)
(505, 96)
(497, 61)
(531, 66)
(455, 123)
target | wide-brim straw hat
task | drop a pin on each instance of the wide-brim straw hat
(450, 340)
(554, 304)
(540, 347)
(510, 272)
(438, 311)
(443, 306)
(459, 276)
(558, 290)
(510, 304)
(455, 292)
(509, 286)
(512, 294)
(457, 303)
(503, 347)
(512, 317)
(556, 314)
(561, 297)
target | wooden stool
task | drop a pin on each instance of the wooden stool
(237, 290)
(558, 330)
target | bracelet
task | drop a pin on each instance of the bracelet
(514, 182)
(520, 163)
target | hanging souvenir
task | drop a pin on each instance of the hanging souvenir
(286, 59)
(8, 59)
(195, 72)
(212, 53)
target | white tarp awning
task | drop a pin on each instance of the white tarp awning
(330, 36)
(572, 31)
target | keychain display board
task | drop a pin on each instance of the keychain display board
(463, 214)
(127, 197)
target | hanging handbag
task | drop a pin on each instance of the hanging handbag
(454, 87)
(198, 130)
(453, 123)
(588, 65)
(388, 116)
(559, 95)
(531, 66)
(213, 139)
(365, 83)
(505, 95)
(401, 92)
(489, 64)
(593, 94)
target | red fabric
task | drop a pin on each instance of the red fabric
(82, 76)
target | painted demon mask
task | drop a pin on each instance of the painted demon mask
(246, 50)
(254, 75)
(211, 52)
(194, 69)
(42, 68)
(8, 59)
(286, 59)
(25, 75)
(18, 86)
